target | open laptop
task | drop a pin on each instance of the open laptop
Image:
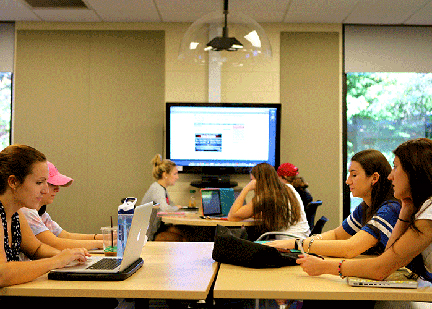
(211, 203)
(113, 268)
(398, 279)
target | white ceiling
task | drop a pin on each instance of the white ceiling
(407, 12)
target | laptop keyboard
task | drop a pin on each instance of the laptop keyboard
(106, 264)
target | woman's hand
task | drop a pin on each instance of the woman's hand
(283, 243)
(251, 185)
(313, 265)
(68, 255)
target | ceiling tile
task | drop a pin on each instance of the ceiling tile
(125, 11)
(422, 17)
(319, 11)
(67, 15)
(384, 11)
(16, 10)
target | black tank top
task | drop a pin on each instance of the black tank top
(12, 252)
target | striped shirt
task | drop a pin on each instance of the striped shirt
(380, 226)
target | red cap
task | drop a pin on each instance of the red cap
(287, 169)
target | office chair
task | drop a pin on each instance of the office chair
(318, 227)
(310, 211)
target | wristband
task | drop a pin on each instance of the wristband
(310, 244)
(340, 269)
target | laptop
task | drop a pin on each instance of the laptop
(399, 279)
(211, 203)
(113, 268)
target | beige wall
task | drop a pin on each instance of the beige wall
(316, 149)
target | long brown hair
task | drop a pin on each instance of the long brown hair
(274, 202)
(373, 161)
(415, 157)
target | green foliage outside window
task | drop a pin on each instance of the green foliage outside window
(5, 108)
(386, 109)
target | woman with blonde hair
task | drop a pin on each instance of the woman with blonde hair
(277, 205)
(165, 173)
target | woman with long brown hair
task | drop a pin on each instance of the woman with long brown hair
(277, 205)
(369, 226)
(411, 177)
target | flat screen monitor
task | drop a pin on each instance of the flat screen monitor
(219, 139)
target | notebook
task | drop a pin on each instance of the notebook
(211, 203)
(113, 268)
(398, 279)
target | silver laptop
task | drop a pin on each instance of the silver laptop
(105, 268)
(398, 279)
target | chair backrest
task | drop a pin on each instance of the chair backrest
(310, 211)
(317, 229)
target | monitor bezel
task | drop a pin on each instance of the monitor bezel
(221, 170)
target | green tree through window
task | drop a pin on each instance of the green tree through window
(5, 108)
(386, 109)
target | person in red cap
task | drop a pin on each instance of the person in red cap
(288, 174)
(46, 229)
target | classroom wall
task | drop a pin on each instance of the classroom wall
(104, 137)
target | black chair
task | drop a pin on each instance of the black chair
(318, 227)
(310, 211)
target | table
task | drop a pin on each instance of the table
(194, 220)
(170, 271)
(292, 283)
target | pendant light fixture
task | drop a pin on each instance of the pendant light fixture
(228, 38)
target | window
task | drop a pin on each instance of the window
(386, 109)
(5, 108)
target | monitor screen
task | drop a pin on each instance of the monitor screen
(222, 138)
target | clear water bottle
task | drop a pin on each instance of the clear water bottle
(125, 216)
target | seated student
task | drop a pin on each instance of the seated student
(279, 206)
(411, 177)
(288, 173)
(23, 181)
(371, 223)
(46, 229)
(166, 174)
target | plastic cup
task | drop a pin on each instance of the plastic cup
(109, 235)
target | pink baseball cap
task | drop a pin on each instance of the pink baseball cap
(287, 169)
(57, 179)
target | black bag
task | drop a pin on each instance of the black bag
(234, 250)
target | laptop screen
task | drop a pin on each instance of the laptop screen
(211, 203)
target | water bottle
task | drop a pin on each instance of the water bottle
(125, 216)
(192, 201)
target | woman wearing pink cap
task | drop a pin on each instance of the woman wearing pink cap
(46, 229)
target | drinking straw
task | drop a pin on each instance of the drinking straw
(112, 234)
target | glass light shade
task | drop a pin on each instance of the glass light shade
(254, 44)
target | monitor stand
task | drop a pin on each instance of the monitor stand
(214, 181)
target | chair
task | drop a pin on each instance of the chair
(317, 229)
(310, 211)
